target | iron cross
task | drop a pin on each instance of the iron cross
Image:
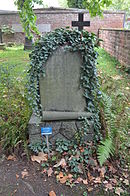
(80, 23)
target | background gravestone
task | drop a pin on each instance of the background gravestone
(28, 45)
(62, 98)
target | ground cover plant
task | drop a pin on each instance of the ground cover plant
(71, 165)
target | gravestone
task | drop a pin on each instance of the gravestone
(17, 28)
(61, 97)
(28, 44)
(44, 28)
(0, 35)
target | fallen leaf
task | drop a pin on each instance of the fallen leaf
(49, 172)
(125, 175)
(81, 149)
(41, 157)
(113, 180)
(44, 171)
(17, 176)
(56, 172)
(105, 182)
(52, 193)
(97, 180)
(126, 182)
(112, 169)
(102, 171)
(119, 190)
(90, 189)
(70, 176)
(108, 186)
(63, 180)
(24, 173)
(11, 158)
(78, 180)
(85, 182)
(60, 175)
(90, 177)
(62, 163)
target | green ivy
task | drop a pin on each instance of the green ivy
(74, 41)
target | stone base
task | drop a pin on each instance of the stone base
(2, 46)
(63, 129)
(28, 45)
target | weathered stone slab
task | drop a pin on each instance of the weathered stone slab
(17, 28)
(59, 90)
(68, 129)
(2, 46)
(52, 115)
(44, 28)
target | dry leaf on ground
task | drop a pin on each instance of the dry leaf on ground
(119, 190)
(97, 180)
(90, 177)
(70, 176)
(62, 163)
(89, 189)
(126, 182)
(44, 171)
(85, 182)
(11, 158)
(62, 178)
(112, 169)
(126, 175)
(52, 193)
(24, 173)
(78, 180)
(113, 180)
(108, 186)
(60, 175)
(102, 171)
(17, 176)
(41, 157)
(49, 172)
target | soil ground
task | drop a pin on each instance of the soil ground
(12, 183)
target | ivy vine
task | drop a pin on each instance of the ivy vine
(74, 41)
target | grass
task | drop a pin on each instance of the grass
(16, 57)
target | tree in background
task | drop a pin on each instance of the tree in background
(28, 18)
(76, 4)
(95, 7)
(63, 3)
(121, 5)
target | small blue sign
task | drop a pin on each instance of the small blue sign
(46, 131)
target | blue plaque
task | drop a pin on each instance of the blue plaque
(46, 131)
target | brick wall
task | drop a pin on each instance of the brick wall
(117, 43)
(63, 17)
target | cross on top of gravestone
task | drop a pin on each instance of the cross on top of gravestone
(80, 23)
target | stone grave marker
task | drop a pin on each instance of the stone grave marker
(61, 97)
(44, 28)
